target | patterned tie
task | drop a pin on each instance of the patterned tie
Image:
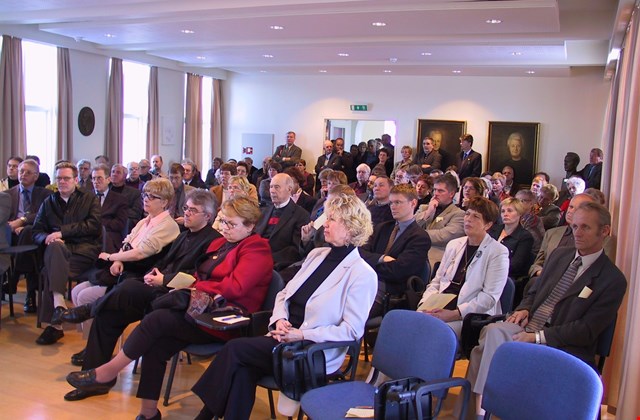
(26, 201)
(392, 238)
(544, 311)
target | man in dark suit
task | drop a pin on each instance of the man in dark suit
(84, 175)
(282, 222)
(329, 160)
(26, 199)
(577, 298)
(346, 160)
(192, 175)
(592, 172)
(469, 161)
(131, 299)
(133, 196)
(398, 248)
(114, 209)
(288, 154)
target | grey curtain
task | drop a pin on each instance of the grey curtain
(153, 122)
(115, 113)
(193, 119)
(64, 143)
(13, 140)
(216, 125)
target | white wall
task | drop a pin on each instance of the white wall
(570, 110)
(171, 107)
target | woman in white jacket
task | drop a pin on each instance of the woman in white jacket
(474, 268)
(328, 300)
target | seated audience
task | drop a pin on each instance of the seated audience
(401, 176)
(398, 248)
(529, 221)
(133, 176)
(328, 300)
(597, 194)
(84, 174)
(329, 160)
(12, 174)
(273, 169)
(242, 169)
(424, 188)
(309, 181)
(145, 170)
(261, 173)
(68, 230)
(575, 185)
(192, 174)
(510, 187)
(211, 180)
(538, 182)
(240, 273)
(379, 206)
(362, 178)
(134, 199)
(407, 159)
(238, 186)
(546, 210)
(497, 193)
(322, 182)
(300, 197)
(113, 214)
(471, 187)
(474, 268)
(442, 220)
(514, 237)
(43, 179)
(557, 313)
(176, 175)
(221, 191)
(384, 164)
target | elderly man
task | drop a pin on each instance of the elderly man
(379, 206)
(592, 172)
(398, 248)
(145, 168)
(578, 297)
(282, 221)
(441, 218)
(469, 161)
(84, 175)
(131, 299)
(288, 154)
(68, 228)
(362, 180)
(26, 199)
(114, 209)
(133, 176)
(156, 167)
(328, 160)
(192, 175)
(134, 199)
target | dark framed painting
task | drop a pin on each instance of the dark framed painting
(446, 138)
(514, 144)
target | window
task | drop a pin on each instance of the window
(40, 65)
(136, 110)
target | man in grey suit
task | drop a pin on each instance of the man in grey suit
(288, 154)
(577, 299)
(26, 199)
(442, 219)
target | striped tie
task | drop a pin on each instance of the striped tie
(544, 311)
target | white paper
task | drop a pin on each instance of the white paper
(230, 319)
(181, 281)
(319, 222)
(436, 301)
(360, 413)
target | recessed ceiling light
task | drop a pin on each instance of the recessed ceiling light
(263, 71)
(493, 21)
(276, 27)
(110, 35)
(201, 57)
(379, 24)
(456, 71)
(322, 71)
(516, 53)
(267, 55)
(188, 31)
(393, 60)
(343, 55)
(531, 72)
(426, 54)
(387, 71)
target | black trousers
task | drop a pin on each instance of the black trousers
(228, 386)
(122, 305)
(160, 335)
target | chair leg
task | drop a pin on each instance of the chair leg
(172, 373)
(300, 414)
(366, 347)
(135, 367)
(40, 289)
(272, 406)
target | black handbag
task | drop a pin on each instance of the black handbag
(177, 300)
(396, 400)
(294, 371)
(471, 327)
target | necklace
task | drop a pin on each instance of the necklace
(468, 259)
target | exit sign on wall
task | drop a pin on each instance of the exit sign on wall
(359, 107)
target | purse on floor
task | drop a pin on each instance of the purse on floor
(292, 369)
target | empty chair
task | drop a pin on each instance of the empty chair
(410, 344)
(529, 381)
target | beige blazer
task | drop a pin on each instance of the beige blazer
(447, 226)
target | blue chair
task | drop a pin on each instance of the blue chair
(529, 381)
(410, 344)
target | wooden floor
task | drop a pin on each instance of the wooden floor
(33, 379)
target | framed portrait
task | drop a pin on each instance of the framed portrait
(514, 144)
(446, 138)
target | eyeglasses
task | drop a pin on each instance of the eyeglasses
(151, 197)
(191, 210)
(228, 224)
(64, 178)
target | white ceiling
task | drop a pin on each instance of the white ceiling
(423, 37)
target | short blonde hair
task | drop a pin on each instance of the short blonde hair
(498, 176)
(242, 207)
(354, 215)
(516, 203)
(241, 182)
(160, 187)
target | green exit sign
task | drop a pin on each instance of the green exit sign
(359, 107)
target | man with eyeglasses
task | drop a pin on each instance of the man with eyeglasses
(133, 176)
(192, 175)
(68, 229)
(26, 199)
(145, 167)
(84, 175)
(398, 248)
(113, 206)
(130, 300)
(132, 195)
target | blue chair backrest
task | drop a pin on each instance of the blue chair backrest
(426, 274)
(508, 293)
(529, 381)
(603, 346)
(414, 344)
(277, 284)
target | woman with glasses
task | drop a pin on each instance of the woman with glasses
(474, 269)
(140, 249)
(471, 187)
(238, 187)
(237, 267)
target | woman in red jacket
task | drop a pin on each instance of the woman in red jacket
(238, 267)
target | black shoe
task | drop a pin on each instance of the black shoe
(77, 359)
(85, 380)
(204, 414)
(78, 394)
(30, 304)
(76, 315)
(50, 335)
(56, 318)
(158, 416)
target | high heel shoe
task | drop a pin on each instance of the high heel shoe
(158, 416)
